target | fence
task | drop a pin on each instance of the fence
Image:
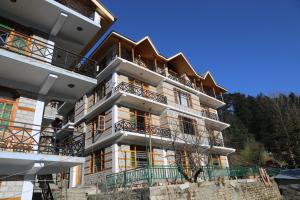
(152, 174)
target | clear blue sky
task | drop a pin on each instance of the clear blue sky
(250, 46)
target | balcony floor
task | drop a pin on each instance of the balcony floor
(43, 15)
(20, 163)
(222, 150)
(141, 103)
(26, 73)
(131, 69)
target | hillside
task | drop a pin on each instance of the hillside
(265, 130)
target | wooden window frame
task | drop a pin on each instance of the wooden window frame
(186, 123)
(13, 111)
(178, 100)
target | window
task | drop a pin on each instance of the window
(215, 160)
(139, 156)
(98, 124)
(187, 125)
(6, 109)
(99, 92)
(97, 163)
(183, 98)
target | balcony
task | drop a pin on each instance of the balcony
(22, 145)
(216, 142)
(217, 146)
(139, 91)
(127, 125)
(137, 132)
(38, 59)
(212, 120)
(209, 98)
(137, 68)
(44, 52)
(28, 138)
(70, 25)
(140, 98)
(208, 114)
(86, 8)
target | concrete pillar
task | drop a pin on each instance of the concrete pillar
(28, 184)
(114, 113)
(37, 120)
(114, 81)
(27, 190)
(115, 158)
(165, 157)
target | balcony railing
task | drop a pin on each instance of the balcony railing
(211, 115)
(139, 91)
(110, 57)
(29, 138)
(85, 8)
(216, 142)
(188, 83)
(44, 52)
(181, 80)
(131, 126)
(149, 66)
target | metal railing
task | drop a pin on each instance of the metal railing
(208, 114)
(78, 6)
(188, 83)
(149, 66)
(139, 91)
(132, 126)
(172, 173)
(44, 52)
(216, 142)
(29, 138)
(181, 80)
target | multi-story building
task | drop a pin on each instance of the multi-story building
(43, 44)
(145, 108)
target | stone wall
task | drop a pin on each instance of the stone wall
(10, 189)
(231, 190)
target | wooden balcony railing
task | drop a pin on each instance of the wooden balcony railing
(44, 52)
(29, 138)
(139, 91)
(131, 126)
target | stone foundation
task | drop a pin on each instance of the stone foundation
(231, 190)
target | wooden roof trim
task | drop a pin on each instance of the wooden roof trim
(208, 73)
(147, 38)
(182, 55)
(113, 33)
(103, 11)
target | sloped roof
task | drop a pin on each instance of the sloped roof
(207, 76)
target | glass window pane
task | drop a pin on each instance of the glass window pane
(183, 99)
(1, 105)
(6, 115)
(8, 107)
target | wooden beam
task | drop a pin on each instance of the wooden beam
(120, 50)
(214, 92)
(222, 96)
(202, 87)
(155, 63)
(132, 52)
(166, 70)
